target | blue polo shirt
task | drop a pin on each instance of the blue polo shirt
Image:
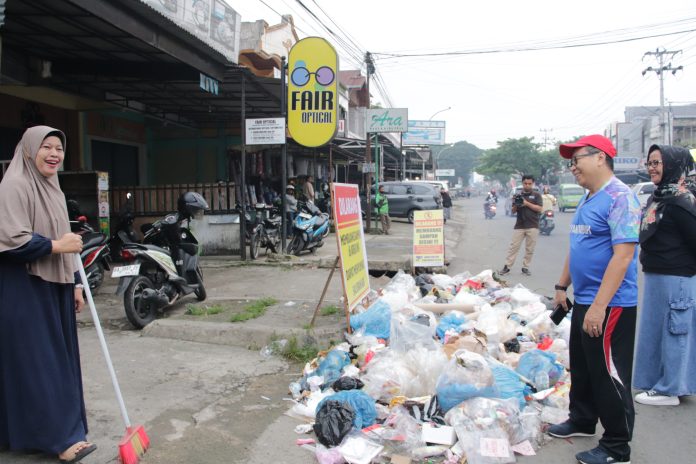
(609, 217)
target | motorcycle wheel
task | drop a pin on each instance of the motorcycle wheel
(200, 292)
(254, 245)
(139, 313)
(294, 246)
(97, 277)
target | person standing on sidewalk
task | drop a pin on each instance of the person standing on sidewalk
(527, 204)
(290, 208)
(665, 365)
(382, 206)
(308, 189)
(41, 396)
(602, 267)
(446, 203)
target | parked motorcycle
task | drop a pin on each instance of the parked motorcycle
(165, 266)
(95, 250)
(546, 222)
(123, 232)
(489, 209)
(309, 229)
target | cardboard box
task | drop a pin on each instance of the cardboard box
(439, 435)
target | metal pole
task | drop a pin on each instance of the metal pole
(284, 156)
(378, 165)
(368, 155)
(242, 215)
(403, 156)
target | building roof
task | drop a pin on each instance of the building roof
(352, 79)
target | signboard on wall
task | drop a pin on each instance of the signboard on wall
(444, 172)
(212, 21)
(266, 131)
(351, 243)
(312, 92)
(428, 238)
(425, 133)
(386, 120)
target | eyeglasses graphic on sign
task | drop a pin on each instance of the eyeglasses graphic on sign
(300, 76)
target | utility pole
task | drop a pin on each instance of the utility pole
(546, 137)
(659, 55)
(370, 69)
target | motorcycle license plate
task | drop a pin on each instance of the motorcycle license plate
(305, 215)
(124, 271)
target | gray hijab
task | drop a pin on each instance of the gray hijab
(33, 204)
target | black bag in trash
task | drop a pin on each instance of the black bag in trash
(348, 383)
(512, 345)
(333, 422)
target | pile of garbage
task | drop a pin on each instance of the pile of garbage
(438, 368)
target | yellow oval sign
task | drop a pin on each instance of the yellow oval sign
(312, 92)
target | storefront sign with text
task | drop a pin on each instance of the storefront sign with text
(312, 92)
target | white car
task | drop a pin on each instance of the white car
(643, 190)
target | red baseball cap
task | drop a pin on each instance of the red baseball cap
(597, 141)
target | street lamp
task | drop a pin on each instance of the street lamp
(438, 112)
(437, 157)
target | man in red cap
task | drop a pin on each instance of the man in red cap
(602, 267)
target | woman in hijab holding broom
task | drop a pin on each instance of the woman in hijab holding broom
(41, 398)
(665, 364)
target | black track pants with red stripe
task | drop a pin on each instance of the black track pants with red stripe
(600, 375)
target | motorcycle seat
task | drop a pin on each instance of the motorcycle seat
(92, 239)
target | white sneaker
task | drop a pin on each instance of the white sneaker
(655, 399)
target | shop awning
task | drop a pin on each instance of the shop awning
(128, 55)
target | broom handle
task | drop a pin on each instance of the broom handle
(102, 341)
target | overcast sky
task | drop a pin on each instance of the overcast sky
(569, 92)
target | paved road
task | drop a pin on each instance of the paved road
(208, 404)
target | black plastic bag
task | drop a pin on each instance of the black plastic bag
(347, 383)
(333, 422)
(512, 346)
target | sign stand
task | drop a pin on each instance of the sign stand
(323, 292)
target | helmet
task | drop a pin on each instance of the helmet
(191, 205)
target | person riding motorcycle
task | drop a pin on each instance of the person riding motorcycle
(548, 202)
(492, 196)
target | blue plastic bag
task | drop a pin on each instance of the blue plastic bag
(376, 321)
(453, 320)
(363, 405)
(537, 361)
(331, 366)
(508, 384)
(450, 395)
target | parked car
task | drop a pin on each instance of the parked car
(569, 196)
(508, 199)
(407, 197)
(643, 190)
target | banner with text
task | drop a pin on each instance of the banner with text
(351, 242)
(386, 120)
(428, 238)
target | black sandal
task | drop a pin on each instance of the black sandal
(81, 454)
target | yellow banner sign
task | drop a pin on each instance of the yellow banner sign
(351, 242)
(312, 92)
(428, 238)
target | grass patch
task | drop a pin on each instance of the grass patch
(254, 310)
(299, 352)
(329, 310)
(204, 311)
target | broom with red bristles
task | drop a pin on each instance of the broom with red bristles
(134, 444)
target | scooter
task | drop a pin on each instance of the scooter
(489, 209)
(123, 232)
(165, 266)
(309, 229)
(546, 222)
(95, 250)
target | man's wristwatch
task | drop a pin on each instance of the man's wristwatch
(79, 286)
(560, 287)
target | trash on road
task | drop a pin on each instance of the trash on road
(443, 368)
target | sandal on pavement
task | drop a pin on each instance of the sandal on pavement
(86, 449)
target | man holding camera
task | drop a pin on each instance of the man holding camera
(527, 204)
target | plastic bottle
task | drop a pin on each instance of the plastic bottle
(541, 380)
(295, 390)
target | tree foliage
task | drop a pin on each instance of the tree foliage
(462, 157)
(518, 157)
